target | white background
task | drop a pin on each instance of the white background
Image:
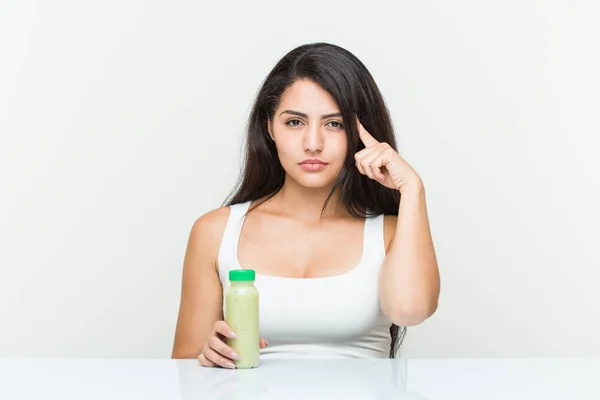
(122, 121)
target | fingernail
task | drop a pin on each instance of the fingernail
(234, 356)
(266, 343)
(231, 334)
(229, 365)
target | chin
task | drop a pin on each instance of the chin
(314, 182)
(314, 185)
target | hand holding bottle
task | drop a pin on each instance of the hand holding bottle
(216, 352)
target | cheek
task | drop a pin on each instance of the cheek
(285, 151)
(341, 147)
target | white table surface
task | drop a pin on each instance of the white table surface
(434, 379)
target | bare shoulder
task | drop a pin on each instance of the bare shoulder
(207, 232)
(389, 230)
(213, 222)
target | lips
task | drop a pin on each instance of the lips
(313, 161)
(313, 165)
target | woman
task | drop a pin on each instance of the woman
(341, 262)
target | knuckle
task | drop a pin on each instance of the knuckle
(212, 357)
(220, 327)
(203, 360)
(214, 342)
(211, 341)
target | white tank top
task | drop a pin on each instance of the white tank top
(328, 317)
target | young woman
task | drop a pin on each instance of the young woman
(330, 217)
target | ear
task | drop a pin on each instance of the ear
(270, 129)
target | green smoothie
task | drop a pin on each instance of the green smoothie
(241, 314)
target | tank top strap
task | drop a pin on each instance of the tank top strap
(374, 242)
(227, 258)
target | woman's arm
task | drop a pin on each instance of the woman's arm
(201, 293)
(409, 283)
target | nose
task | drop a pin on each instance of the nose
(313, 139)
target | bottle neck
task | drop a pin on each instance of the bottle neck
(242, 283)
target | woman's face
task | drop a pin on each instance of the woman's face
(309, 135)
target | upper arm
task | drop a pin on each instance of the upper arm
(201, 302)
(389, 230)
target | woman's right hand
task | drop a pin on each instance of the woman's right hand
(216, 352)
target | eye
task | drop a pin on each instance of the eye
(293, 122)
(336, 125)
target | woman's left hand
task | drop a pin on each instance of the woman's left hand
(380, 162)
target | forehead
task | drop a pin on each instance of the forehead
(308, 97)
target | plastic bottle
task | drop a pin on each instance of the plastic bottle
(241, 314)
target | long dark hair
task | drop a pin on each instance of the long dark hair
(353, 88)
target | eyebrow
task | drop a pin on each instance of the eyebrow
(298, 113)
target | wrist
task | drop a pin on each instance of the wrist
(413, 185)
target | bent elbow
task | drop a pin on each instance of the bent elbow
(406, 313)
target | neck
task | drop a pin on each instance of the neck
(308, 202)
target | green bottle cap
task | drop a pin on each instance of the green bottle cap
(242, 275)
